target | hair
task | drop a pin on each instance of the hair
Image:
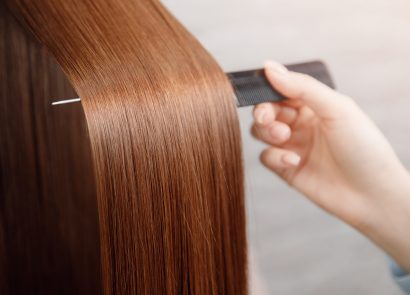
(163, 143)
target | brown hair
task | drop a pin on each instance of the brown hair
(165, 146)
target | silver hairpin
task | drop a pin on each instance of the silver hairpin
(66, 101)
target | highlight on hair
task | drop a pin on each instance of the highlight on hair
(165, 150)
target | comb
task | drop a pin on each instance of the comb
(252, 87)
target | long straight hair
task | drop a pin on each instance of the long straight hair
(165, 145)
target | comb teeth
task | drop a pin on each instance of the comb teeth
(252, 87)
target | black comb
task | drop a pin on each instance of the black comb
(252, 87)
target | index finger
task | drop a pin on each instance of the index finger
(324, 101)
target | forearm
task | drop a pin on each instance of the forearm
(388, 221)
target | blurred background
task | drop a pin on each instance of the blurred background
(298, 248)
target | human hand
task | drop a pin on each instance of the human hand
(323, 145)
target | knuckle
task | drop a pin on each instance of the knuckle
(347, 102)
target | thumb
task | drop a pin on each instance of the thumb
(324, 101)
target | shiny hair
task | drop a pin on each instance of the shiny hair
(164, 143)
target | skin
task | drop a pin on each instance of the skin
(324, 146)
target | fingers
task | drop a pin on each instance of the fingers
(276, 133)
(276, 158)
(272, 123)
(272, 126)
(287, 115)
(324, 101)
(265, 113)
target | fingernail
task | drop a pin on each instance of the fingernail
(291, 159)
(276, 68)
(260, 115)
(280, 132)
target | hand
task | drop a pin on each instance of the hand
(323, 145)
